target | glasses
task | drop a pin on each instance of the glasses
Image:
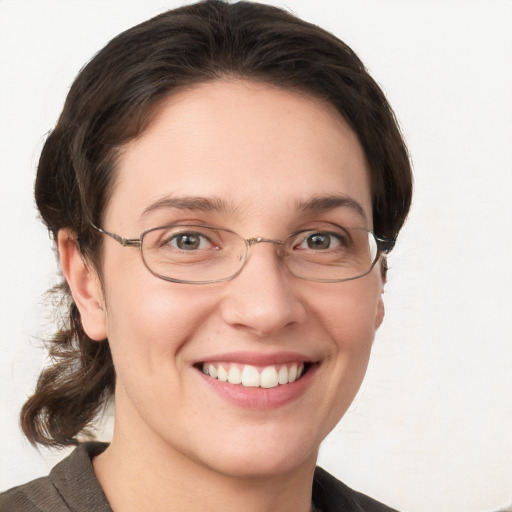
(199, 254)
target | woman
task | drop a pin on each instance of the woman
(223, 185)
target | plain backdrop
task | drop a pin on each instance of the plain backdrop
(431, 429)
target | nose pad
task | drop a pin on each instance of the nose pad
(262, 298)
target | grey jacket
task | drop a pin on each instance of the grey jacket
(72, 486)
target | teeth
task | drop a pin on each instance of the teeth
(292, 374)
(212, 371)
(282, 376)
(250, 376)
(234, 375)
(222, 374)
(268, 377)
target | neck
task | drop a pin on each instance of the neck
(153, 476)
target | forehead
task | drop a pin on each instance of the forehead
(261, 150)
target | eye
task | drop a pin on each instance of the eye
(191, 241)
(320, 241)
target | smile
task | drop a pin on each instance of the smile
(251, 376)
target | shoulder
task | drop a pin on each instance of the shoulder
(38, 495)
(71, 485)
(331, 495)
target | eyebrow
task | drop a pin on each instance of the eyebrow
(320, 204)
(317, 204)
(193, 203)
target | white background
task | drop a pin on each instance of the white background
(431, 429)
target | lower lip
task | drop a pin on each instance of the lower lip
(261, 398)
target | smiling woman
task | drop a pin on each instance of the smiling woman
(223, 185)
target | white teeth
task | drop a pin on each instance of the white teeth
(282, 376)
(234, 375)
(292, 374)
(268, 377)
(250, 376)
(222, 374)
(212, 371)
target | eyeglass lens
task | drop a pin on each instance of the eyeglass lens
(203, 254)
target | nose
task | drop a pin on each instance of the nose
(263, 298)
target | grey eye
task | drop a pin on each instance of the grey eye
(319, 241)
(189, 241)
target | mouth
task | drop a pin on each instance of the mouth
(259, 382)
(250, 376)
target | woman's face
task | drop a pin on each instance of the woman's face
(256, 156)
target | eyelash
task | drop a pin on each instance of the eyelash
(335, 240)
(336, 237)
(184, 234)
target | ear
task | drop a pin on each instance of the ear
(381, 311)
(379, 317)
(84, 284)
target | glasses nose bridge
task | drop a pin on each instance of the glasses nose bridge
(260, 240)
(250, 242)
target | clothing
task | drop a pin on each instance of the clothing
(73, 486)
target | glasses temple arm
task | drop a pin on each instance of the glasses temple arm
(384, 244)
(125, 242)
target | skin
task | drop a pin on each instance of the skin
(262, 150)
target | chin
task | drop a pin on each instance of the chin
(263, 465)
(262, 454)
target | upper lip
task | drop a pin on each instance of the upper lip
(257, 359)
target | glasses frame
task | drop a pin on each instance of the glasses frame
(384, 246)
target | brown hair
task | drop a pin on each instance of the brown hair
(112, 101)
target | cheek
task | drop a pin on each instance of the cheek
(149, 321)
(352, 313)
(148, 334)
(349, 315)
